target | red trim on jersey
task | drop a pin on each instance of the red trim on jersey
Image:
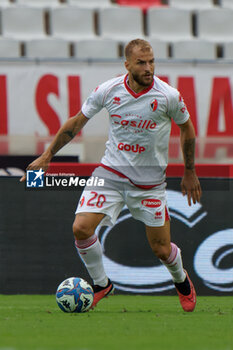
(144, 187)
(136, 94)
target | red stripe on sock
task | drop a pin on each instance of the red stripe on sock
(172, 255)
(85, 243)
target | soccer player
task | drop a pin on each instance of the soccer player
(140, 108)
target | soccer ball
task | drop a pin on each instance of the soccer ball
(74, 295)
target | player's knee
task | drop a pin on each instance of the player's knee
(161, 251)
(81, 229)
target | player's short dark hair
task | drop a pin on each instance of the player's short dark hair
(143, 44)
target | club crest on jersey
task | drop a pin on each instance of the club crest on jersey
(154, 105)
(117, 101)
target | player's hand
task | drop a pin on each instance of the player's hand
(39, 163)
(190, 185)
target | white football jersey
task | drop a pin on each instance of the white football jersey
(140, 125)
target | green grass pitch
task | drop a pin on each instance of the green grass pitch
(34, 322)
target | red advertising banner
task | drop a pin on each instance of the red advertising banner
(36, 99)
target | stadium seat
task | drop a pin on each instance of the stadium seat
(160, 49)
(169, 24)
(137, 2)
(23, 23)
(228, 50)
(96, 4)
(4, 3)
(195, 49)
(215, 25)
(143, 4)
(191, 4)
(121, 23)
(9, 48)
(47, 48)
(96, 49)
(39, 3)
(226, 3)
(72, 23)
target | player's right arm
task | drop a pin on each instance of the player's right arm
(64, 135)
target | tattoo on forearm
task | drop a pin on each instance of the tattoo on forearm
(63, 139)
(69, 133)
(189, 153)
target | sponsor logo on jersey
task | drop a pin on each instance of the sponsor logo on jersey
(117, 101)
(130, 148)
(154, 105)
(151, 203)
(139, 124)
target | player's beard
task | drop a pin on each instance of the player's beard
(140, 79)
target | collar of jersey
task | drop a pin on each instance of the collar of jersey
(135, 94)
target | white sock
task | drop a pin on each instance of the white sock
(90, 251)
(174, 264)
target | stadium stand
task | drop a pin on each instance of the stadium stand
(160, 49)
(114, 23)
(96, 4)
(99, 49)
(99, 20)
(195, 49)
(138, 2)
(72, 23)
(9, 48)
(228, 50)
(4, 3)
(226, 3)
(23, 23)
(47, 48)
(143, 4)
(39, 3)
(169, 24)
(191, 4)
(215, 25)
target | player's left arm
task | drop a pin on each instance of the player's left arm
(190, 184)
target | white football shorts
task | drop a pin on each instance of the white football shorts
(148, 206)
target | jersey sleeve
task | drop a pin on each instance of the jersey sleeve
(94, 103)
(177, 109)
